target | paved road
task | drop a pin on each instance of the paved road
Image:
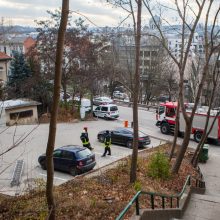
(67, 133)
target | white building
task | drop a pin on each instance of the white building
(175, 44)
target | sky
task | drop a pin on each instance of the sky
(98, 12)
(24, 12)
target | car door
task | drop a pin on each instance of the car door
(104, 111)
(116, 137)
(126, 136)
(97, 112)
(68, 160)
(57, 158)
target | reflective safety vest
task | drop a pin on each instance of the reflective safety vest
(107, 143)
(84, 140)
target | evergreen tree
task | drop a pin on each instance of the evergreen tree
(19, 78)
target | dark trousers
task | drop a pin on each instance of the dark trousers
(107, 149)
(88, 146)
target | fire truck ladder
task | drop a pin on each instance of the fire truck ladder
(17, 173)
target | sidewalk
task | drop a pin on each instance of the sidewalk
(207, 206)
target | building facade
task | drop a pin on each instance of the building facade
(4, 66)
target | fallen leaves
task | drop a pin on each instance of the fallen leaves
(100, 197)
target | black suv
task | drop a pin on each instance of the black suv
(71, 158)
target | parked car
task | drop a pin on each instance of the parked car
(124, 136)
(102, 101)
(119, 95)
(71, 158)
(109, 111)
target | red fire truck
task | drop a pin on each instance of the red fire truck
(166, 115)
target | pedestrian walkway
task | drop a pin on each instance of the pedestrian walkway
(207, 206)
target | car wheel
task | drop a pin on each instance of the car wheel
(129, 144)
(106, 118)
(73, 171)
(43, 165)
(181, 134)
(165, 128)
(93, 114)
(197, 136)
(101, 138)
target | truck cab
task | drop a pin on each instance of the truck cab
(166, 115)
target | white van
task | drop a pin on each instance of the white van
(109, 111)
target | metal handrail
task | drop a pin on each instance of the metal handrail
(163, 196)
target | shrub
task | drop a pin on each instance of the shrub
(137, 186)
(159, 166)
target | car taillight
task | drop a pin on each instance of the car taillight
(80, 163)
(140, 139)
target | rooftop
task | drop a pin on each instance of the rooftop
(10, 104)
(4, 56)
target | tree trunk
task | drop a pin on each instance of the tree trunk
(176, 132)
(183, 148)
(135, 95)
(64, 92)
(53, 121)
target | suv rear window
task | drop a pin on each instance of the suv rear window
(113, 108)
(83, 153)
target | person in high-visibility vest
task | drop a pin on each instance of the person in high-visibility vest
(85, 140)
(107, 142)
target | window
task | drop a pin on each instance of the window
(67, 155)
(126, 132)
(113, 108)
(146, 62)
(104, 109)
(154, 53)
(97, 109)
(57, 153)
(146, 53)
(83, 153)
(161, 110)
(1, 72)
(24, 114)
(170, 112)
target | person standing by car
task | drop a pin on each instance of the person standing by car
(85, 140)
(107, 142)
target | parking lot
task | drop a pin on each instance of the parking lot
(35, 144)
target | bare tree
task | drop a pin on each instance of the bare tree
(53, 121)
(215, 74)
(188, 27)
(137, 28)
(129, 7)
